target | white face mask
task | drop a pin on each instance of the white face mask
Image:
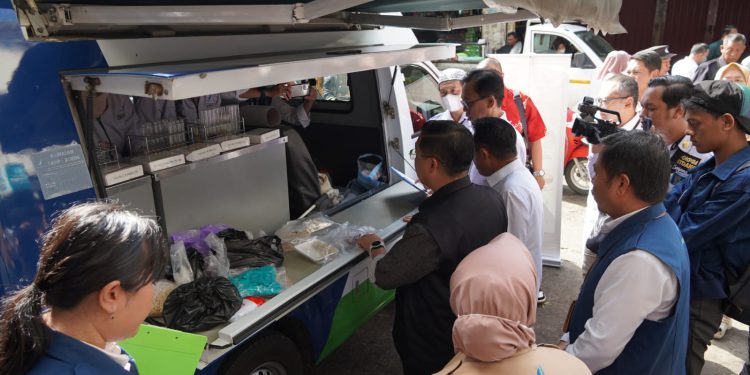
(452, 102)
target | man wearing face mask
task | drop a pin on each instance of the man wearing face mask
(451, 90)
(449, 84)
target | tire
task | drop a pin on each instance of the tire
(271, 354)
(578, 180)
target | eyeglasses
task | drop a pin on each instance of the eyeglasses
(468, 104)
(603, 101)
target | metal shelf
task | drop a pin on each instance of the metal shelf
(217, 159)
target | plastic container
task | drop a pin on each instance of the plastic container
(316, 250)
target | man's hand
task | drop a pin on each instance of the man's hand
(312, 95)
(562, 345)
(540, 181)
(282, 89)
(407, 218)
(366, 241)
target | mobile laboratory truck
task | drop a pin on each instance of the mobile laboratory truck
(173, 50)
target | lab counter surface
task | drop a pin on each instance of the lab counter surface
(383, 211)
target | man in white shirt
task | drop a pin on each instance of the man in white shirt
(687, 66)
(617, 93)
(482, 96)
(495, 158)
(632, 312)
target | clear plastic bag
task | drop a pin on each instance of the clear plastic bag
(302, 229)
(162, 289)
(345, 236)
(181, 270)
(216, 263)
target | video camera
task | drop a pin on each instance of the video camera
(591, 127)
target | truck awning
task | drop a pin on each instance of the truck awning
(44, 19)
(203, 77)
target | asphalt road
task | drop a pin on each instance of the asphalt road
(370, 350)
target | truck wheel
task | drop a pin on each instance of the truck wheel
(271, 354)
(578, 177)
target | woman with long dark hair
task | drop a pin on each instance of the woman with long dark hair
(93, 287)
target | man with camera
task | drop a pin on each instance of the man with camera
(663, 109)
(711, 206)
(619, 94)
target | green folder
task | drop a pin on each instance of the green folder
(159, 351)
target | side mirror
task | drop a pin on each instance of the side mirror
(581, 61)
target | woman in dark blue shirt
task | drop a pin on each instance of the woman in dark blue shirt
(93, 287)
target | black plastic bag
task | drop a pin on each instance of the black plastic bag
(243, 253)
(202, 304)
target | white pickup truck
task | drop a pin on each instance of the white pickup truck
(588, 51)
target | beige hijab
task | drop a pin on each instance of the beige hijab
(493, 293)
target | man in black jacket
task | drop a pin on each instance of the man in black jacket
(456, 219)
(731, 51)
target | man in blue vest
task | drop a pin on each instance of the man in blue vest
(456, 219)
(712, 205)
(631, 316)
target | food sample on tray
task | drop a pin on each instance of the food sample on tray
(303, 228)
(316, 250)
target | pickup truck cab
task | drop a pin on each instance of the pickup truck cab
(588, 51)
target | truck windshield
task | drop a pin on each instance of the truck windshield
(600, 45)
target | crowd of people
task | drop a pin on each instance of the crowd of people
(666, 224)
(667, 234)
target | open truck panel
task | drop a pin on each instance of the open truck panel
(50, 51)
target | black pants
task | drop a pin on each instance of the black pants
(302, 174)
(705, 318)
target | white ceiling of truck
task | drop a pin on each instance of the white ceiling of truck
(120, 18)
(196, 78)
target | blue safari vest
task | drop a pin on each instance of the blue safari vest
(656, 347)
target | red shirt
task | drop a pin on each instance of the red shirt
(536, 128)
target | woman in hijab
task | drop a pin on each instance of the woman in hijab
(733, 72)
(493, 294)
(614, 63)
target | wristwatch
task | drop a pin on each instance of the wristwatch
(539, 173)
(376, 245)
